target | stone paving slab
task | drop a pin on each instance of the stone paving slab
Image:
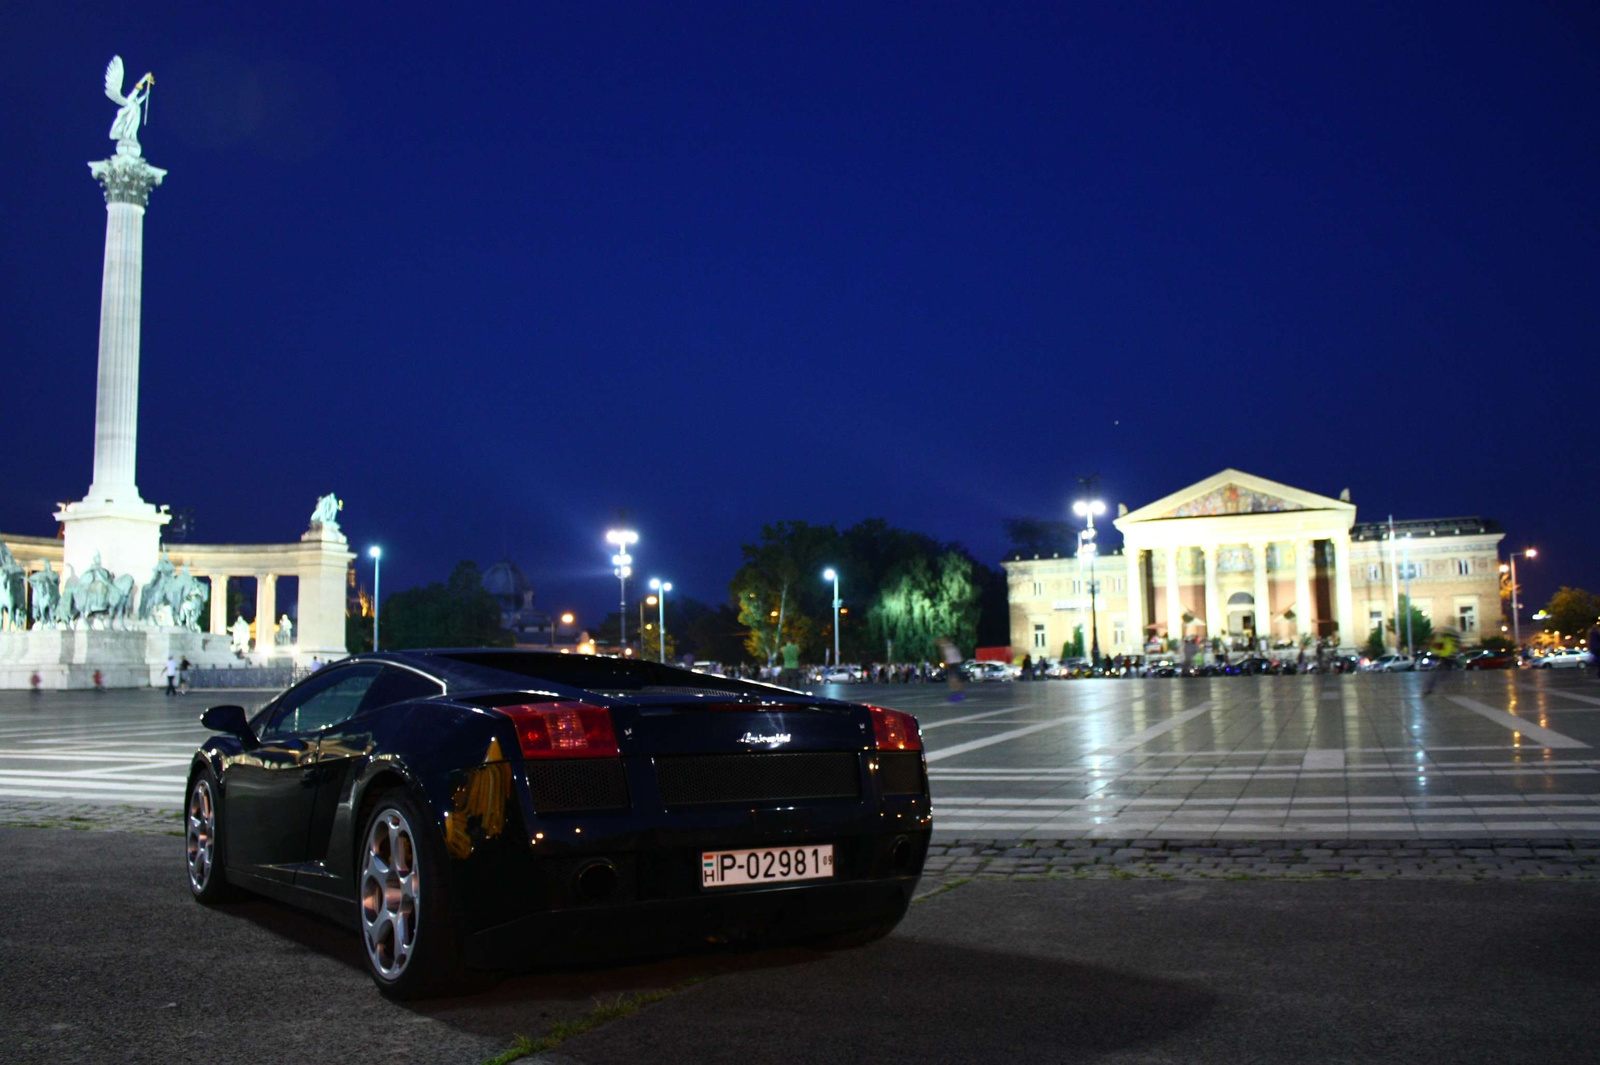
(1201, 859)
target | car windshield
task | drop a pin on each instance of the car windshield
(609, 676)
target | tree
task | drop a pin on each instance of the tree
(1420, 631)
(1572, 611)
(650, 644)
(923, 600)
(358, 633)
(456, 614)
(1375, 647)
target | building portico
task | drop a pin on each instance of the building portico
(1239, 556)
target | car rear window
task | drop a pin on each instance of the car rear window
(607, 676)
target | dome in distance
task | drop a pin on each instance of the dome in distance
(504, 580)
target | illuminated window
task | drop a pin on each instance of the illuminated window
(1467, 618)
(1463, 567)
(1038, 589)
(1119, 632)
(1038, 637)
(1375, 572)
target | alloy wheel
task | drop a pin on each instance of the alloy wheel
(200, 834)
(389, 894)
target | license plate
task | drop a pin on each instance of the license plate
(766, 865)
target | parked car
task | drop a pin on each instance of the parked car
(1068, 668)
(1487, 659)
(1391, 663)
(1564, 658)
(486, 809)
(842, 675)
(978, 672)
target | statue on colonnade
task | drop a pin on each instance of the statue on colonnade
(125, 128)
(154, 593)
(13, 591)
(327, 512)
(46, 595)
(240, 631)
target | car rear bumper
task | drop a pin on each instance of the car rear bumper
(639, 929)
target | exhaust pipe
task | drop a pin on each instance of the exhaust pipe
(597, 881)
(900, 854)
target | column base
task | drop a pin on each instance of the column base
(127, 536)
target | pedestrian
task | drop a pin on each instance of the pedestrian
(99, 681)
(35, 681)
(791, 664)
(1027, 667)
(183, 676)
(952, 668)
(171, 673)
(1443, 649)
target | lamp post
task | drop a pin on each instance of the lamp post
(376, 554)
(1516, 622)
(1411, 643)
(1087, 509)
(833, 575)
(621, 539)
(661, 588)
(564, 619)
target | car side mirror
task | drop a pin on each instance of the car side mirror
(228, 719)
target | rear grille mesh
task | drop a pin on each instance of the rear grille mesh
(900, 772)
(692, 779)
(577, 784)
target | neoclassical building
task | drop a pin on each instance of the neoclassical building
(1240, 557)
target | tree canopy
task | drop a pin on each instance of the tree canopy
(900, 592)
(455, 614)
(1572, 611)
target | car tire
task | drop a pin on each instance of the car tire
(204, 854)
(410, 936)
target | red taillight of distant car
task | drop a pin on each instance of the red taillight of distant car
(894, 731)
(563, 730)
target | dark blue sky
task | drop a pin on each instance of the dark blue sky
(491, 277)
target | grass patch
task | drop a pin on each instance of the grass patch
(602, 1014)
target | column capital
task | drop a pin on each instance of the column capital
(127, 179)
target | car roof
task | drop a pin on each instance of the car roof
(567, 676)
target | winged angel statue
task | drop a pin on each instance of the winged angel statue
(125, 130)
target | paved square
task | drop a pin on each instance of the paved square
(1358, 756)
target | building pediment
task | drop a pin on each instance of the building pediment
(1233, 492)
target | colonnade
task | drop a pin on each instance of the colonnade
(1216, 611)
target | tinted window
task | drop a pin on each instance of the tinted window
(323, 701)
(395, 685)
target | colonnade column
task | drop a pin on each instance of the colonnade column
(1174, 608)
(1348, 637)
(1303, 612)
(219, 603)
(266, 611)
(1263, 592)
(1135, 596)
(1216, 620)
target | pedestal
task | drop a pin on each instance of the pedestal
(322, 595)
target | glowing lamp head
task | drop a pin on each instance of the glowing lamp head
(1532, 553)
(650, 600)
(830, 575)
(566, 619)
(374, 551)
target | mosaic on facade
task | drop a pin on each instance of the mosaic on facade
(1231, 499)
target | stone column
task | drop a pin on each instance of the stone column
(112, 519)
(1263, 592)
(1348, 637)
(1216, 620)
(1303, 612)
(1174, 607)
(266, 611)
(219, 602)
(1136, 632)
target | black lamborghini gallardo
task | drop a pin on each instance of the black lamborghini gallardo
(488, 810)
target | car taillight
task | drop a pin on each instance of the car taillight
(895, 731)
(563, 730)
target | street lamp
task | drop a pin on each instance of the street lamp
(1087, 509)
(833, 575)
(621, 539)
(1516, 626)
(564, 619)
(376, 554)
(662, 587)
